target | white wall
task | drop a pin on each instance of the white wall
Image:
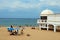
(53, 19)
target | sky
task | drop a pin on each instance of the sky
(27, 8)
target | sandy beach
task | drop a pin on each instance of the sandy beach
(35, 34)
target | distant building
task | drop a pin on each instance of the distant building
(48, 17)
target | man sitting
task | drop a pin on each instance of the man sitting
(10, 29)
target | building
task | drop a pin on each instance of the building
(47, 17)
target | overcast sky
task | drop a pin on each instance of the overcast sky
(27, 8)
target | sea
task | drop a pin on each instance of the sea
(18, 22)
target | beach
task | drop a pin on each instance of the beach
(35, 34)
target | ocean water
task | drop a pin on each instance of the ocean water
(18, 21)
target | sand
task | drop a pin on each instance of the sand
(35, 34)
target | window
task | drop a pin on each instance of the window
(44, 17)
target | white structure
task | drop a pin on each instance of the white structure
(48, 17)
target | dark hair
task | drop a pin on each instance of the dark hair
(11, 26)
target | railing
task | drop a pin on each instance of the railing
(41, 21)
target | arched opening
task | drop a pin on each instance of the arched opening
(51, 27)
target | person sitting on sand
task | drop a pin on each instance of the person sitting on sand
(10, 29)
(15, 31)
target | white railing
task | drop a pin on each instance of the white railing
(41, 21)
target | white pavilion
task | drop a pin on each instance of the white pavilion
(48, 17)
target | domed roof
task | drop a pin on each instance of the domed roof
(47, 12)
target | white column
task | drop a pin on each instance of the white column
(54, 28)
(47, 27)
(39, 26)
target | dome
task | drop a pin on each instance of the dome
(47, 12)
